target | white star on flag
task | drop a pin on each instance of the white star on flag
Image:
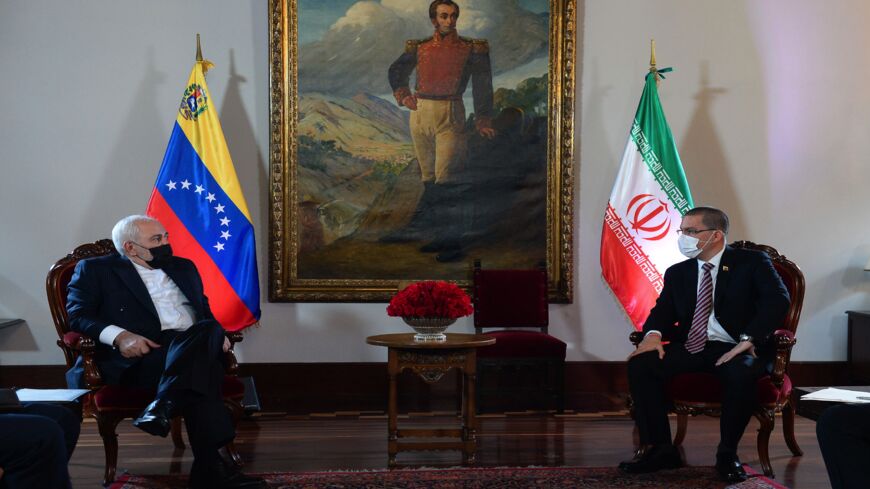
(225, 234)
(210, 198)
(171, 185)
(225, 221)
(199, 189)
(219, 246)
(219, 208)
(185, 184)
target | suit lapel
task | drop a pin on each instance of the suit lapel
(723, 278)
(691, 272)
(130, 277)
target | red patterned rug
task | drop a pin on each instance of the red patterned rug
(477, 478)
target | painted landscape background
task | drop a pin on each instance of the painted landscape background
(357, 176)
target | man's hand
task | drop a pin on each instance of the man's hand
(410, 102)
(742, 347)
(650, 343)
(133, 345)
(227, 344)
(487, 132)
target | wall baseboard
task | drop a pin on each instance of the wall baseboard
(303, 388)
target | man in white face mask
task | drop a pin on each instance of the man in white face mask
(714, 310)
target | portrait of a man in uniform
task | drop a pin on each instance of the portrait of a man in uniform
(445, 63)
(421, 138)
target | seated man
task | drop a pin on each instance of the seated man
(36, 443)
(713, 310)
(844, 438)
(148, 312)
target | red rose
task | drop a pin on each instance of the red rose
(431, 299)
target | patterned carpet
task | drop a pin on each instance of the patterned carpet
(477, 478)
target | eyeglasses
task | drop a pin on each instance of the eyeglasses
(693, 232)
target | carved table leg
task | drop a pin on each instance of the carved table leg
(392, 408)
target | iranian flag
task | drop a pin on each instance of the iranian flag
(648, 200)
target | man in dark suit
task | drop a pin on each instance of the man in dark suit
(714, 309)
(844, 438)
(147, 311)
(36, 442)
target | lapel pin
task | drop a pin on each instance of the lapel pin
(724, 268)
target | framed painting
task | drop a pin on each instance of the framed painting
(409, 138)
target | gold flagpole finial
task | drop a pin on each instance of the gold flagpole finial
(198, 49)
(652, 54)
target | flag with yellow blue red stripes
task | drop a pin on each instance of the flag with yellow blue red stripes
(198, 199)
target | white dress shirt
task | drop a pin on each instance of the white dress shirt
(173, 308)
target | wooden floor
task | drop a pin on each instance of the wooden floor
(353, 441)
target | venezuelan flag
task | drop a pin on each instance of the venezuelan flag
(198, 199)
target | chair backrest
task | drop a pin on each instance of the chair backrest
(791, 276)
(57, 281)
(510, 298)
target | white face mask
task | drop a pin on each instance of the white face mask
(689, 245)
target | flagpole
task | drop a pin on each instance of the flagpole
(198, 48)
(652, 60)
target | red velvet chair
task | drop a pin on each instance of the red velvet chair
(700, 393)
(109, 404)
(525, 364)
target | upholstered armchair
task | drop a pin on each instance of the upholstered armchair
(700, 393)
(525, 363)
(109, 404)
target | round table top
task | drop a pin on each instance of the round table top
(454, 340)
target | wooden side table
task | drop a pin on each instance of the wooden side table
(431, 361)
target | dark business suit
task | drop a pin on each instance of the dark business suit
(35, 444)
(844, 439)
(187, 369)
(749, 298)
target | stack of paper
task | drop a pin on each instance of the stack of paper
(50, 395)
(833, 394)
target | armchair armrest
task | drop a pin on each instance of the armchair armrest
(231, 362)
(87, 348)
(783, 341)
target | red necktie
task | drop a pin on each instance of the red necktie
(698, 333)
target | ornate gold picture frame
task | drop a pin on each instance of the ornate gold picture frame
(353, 211)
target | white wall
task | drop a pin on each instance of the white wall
(766, 104)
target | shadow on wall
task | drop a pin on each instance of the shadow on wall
(18, 337)
(134, 161)
(703, 156)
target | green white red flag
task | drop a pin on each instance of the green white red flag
(648, 200)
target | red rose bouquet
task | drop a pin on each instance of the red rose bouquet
(431, 299)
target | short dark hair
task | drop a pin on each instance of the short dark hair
(712, 217)
(433, 7)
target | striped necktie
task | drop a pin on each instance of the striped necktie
(698, 333)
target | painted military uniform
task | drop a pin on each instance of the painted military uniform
(444, 65)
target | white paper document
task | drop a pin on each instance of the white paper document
(837, 395)
(49, 395)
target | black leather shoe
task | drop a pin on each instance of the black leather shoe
(155, 418)
(218, 476)
(658, 457)
(730, 469)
